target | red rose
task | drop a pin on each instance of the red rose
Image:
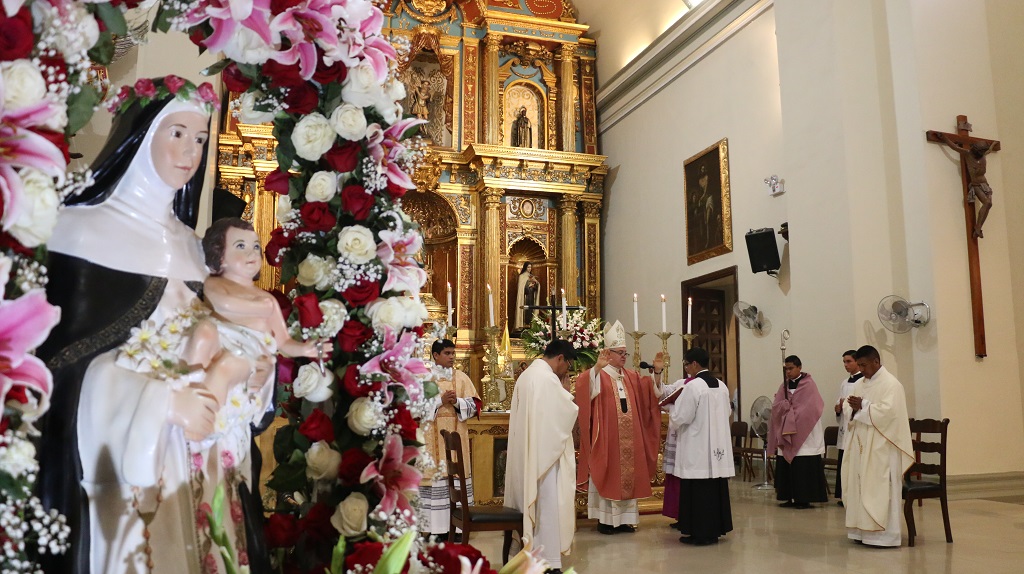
(362, 293)
(286, 369)
(279, 240)
(446, 556)
(17, 393)
(403, 418)
(144, 88)
(367, 554)
(301, 99)
(234, 79)
(353, 462)
(16, 38)
(7, 241)
(317, 427)
(396, 191)
(356, 201)
(278, 6)
(277, 181)
(352, 386)
(353, 334)
(57, 64)
(309, 310)
(57, 139)
(283, 303)
(282, 75)
(197, 36)
(343, 158)
(207, 93)
(281, 530)
(173, 83)
(317, 216)
(317, 523)
(325, 74)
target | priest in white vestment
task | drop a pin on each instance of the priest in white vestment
(878, 451)
(540, 473)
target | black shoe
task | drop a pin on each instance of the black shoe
(839, 503)
(675, 525)
(605, 529)
(705, 541)
(802, 505)
(787, 504)
(627, 528)
(686, 539)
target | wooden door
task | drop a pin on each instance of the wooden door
(709, 321)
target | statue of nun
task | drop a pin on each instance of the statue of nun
(113, 453)
(526, 294)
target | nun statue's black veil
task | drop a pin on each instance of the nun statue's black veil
(99, 307)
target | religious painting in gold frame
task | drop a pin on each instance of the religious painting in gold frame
(707, 203)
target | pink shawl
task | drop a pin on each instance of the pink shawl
(794, 416)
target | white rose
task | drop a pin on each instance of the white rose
(361, 87)
(38, 215)
(19, 458)
(363, 416)
(23, 84)
(394, 90)
(58, 120)
(391, 112)
(322, 186)
(283, 211)
(349, 122)
(322, 461)
(316, 271)
(387, 312)
(335, 314)
(356, 244)
(350, 517)
(77, 31)
(415, 311)
(313, 136)
(247, 114)
(311, 385)
(247, 47)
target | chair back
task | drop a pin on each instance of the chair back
(831, 436)
(919, 427)
(739, 432)
(456, 471)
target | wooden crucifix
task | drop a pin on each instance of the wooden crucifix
(973, 165)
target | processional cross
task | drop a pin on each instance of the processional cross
(972, 152)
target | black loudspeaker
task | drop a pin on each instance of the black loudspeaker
(762, 249)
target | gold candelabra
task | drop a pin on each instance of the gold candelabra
(636, 335)
(492, 392)
(689, 338)
(664, 336)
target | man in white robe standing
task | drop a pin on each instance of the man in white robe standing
(879, 450)
(540, 472)
(704, 464)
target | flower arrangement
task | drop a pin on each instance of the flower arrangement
(145, 91)
(586, 337)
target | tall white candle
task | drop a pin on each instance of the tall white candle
(450, 304)
(636, 316)
(689, 315)
(565, 318)
(664, 328)
(490, 304)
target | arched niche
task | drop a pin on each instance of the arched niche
(439, 226)
(520, 94)
(525, 249)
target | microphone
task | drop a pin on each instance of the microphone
(645, 365)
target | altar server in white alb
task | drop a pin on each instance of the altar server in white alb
(878, 452)
(704, 461)
(850, 364)
(540, 473)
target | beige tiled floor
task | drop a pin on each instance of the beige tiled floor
(988, 538)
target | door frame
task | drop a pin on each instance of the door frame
(724, 273)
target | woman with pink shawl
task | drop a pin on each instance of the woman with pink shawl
(796, 437)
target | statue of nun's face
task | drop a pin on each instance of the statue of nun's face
(178, 146)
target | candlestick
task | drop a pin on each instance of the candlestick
(689, 315)
(449, 303)
(664, 336)
(565, 318)
(492, 392)
(490, 305)
(637, 335)
(636, 315)
(689, 338)
(664, 328)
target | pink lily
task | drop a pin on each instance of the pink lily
(20, 146)
(393, 479)
(25, 323)
(306, 25)
(396, 251)
(398, 364)
(386, 148)
(10, 197)
(226, 16)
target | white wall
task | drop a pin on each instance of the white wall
(835, 97)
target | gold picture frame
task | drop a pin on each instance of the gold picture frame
(707, 203)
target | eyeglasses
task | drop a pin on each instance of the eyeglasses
(620, 353)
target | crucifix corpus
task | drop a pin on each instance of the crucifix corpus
(973, 165)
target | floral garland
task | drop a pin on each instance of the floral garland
(46, 96)
(145, 91)
(586, 337)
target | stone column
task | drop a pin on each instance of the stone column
(492, 122)
(490, 256)
(566, 94)
(567, 260)
(592, 256)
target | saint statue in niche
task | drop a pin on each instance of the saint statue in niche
(421, 101)
(522, 133)
(526, 294)
(426, 89)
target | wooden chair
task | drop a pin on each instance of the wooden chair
(474, 518)
(917, 488)
(831, 440)
(738, 430)
(754, 451)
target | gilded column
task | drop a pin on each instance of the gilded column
(567, 262)
(592, 256)
(492, 122)
(491, 253)
(566, 96)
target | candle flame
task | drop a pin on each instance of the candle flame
(449, 285)
(488, 287)
(634, 297)
(662, 297)
(689, 300)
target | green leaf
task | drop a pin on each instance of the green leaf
(288, 478)
(80, 108)
(332, 96)
(112, 18)
(395, 557)
(430, 389)
(217, 508)
(217, 68)
(103, 52)
(283, 443)
(338, 557)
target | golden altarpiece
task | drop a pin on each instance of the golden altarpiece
(473, 70)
